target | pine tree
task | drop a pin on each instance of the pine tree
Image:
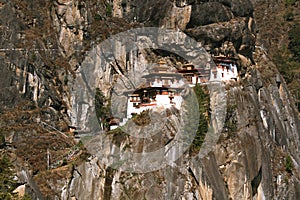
(203, 107)
(7, 182)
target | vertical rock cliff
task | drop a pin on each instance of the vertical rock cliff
(50, 51)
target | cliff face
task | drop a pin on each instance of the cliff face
(49, 52)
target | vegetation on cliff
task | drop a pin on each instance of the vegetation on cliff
(202, 95)
(282, 45)
(102, 107)
(8, 182)
(49, 27)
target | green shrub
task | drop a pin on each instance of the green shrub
(102, 106)
(108, 10)
(290, 2)
(289, 16)
(97, 17)
(143, 118)
(288, 164)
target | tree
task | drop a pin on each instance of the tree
(7, 182)
(102, 110)
(203, 103)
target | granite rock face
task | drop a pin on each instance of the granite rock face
(50, 54)
(240, 165)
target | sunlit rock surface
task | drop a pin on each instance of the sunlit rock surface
(44, 48)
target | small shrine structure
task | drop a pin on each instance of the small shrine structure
(226, 68)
